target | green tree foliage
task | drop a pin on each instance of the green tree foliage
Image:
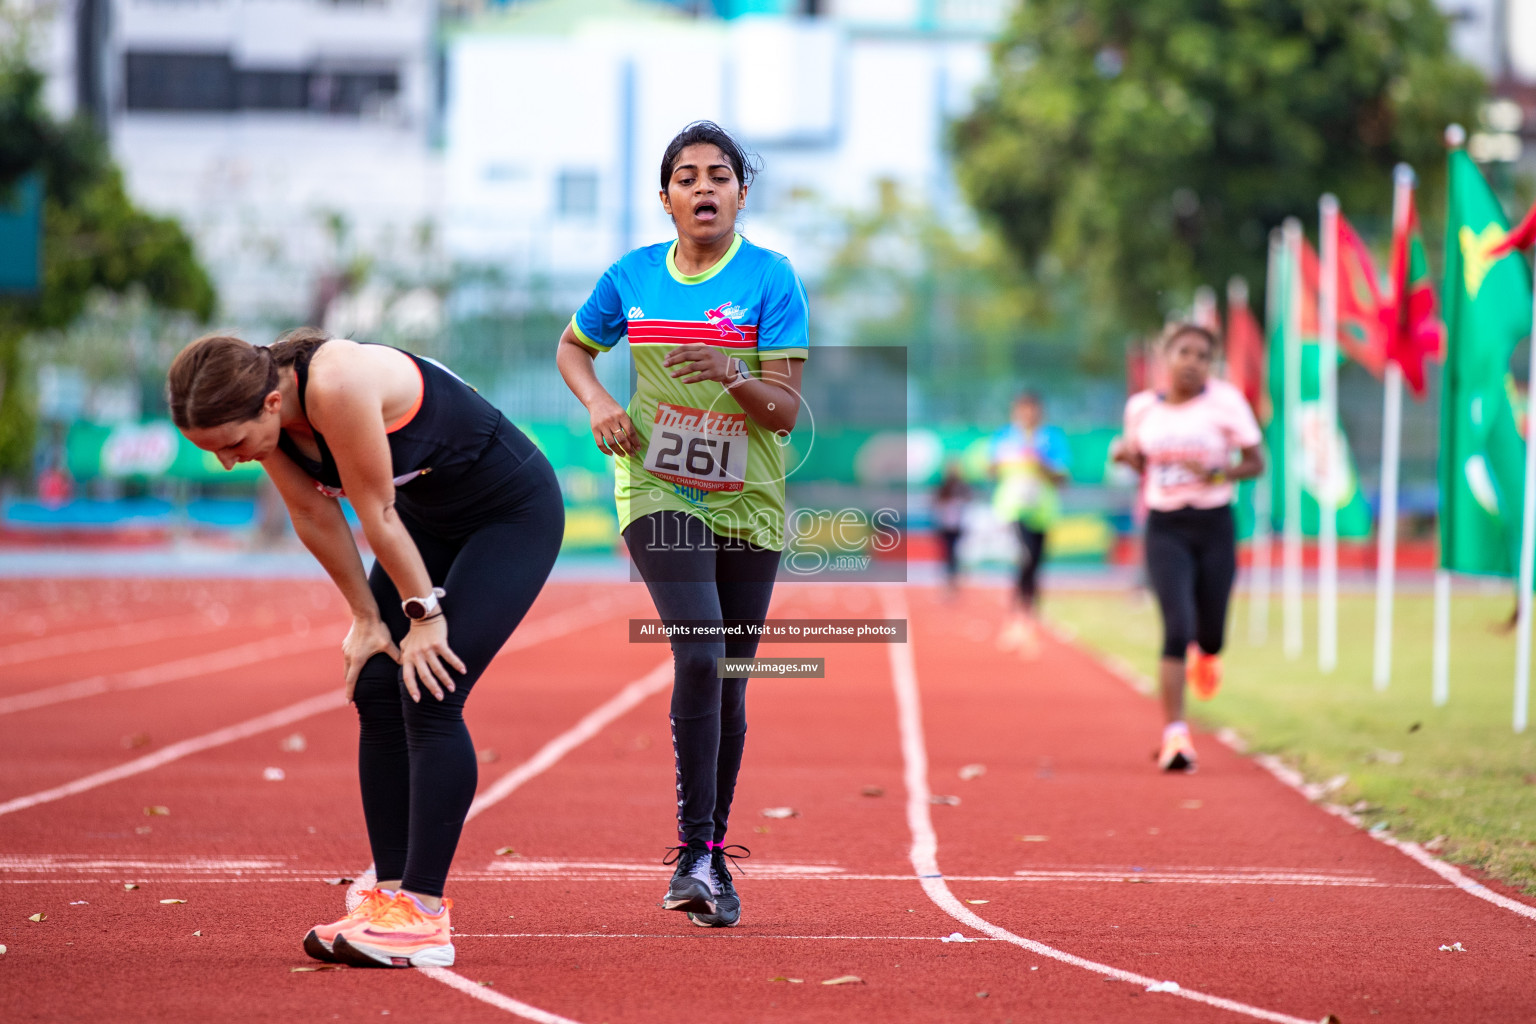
(1148, 147)
(94, 239)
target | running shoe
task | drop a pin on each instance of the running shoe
(1204, 672)
(693, 889)
(318, 942)
(727, 903)
(400, 935)
(1178, 753)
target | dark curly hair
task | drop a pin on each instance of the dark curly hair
(745, 164)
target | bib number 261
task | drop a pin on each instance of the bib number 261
(698, 448)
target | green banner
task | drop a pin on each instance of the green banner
(1316, 446)
(1487, 305)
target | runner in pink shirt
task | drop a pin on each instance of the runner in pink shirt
(1184, 441)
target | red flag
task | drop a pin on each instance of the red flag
(1523, 237)
(1362, 336)
(1245, 348)
(1414, 330)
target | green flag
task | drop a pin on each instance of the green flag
(1487, 304)
(1315, 445)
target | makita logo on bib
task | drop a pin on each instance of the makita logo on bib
(720, 424)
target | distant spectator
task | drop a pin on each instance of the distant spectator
(949, 502)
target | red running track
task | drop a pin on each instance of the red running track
(1079, 875)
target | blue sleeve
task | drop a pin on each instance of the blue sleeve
(783, 328)
(1054, 451)
(600, 322)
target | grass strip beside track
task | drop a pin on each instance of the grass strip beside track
(1457, 771)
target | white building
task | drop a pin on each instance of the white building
(288, 136)
(558, 111)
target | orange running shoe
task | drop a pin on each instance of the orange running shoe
(318, 942)
(400, 935)
(1204, 672)
(1178, 753)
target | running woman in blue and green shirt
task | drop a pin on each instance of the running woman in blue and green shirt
(1029, 463)
(717, 329)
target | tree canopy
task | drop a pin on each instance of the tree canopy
(1147, 148)
(94, 239)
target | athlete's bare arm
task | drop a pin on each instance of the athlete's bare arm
(347, 397)
(771, 399)
(612, 429)
(324, 530)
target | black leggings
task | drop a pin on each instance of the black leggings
(1192, 561)
(416, 761)
(693, 573)
(1032, 554)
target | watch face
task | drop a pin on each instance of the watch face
(415, 609)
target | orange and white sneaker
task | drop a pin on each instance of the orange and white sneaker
(318, 942)
(403, 934)
(1204, 672)
(1178, 753)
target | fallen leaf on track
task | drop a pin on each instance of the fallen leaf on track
(981, 995)
(978, 901)
(872, 791)
(972, 771)
(129, 886)
(2, 950)
(198, 933)
(173, 901)
(944, 801)
(152, 811)
(143, 830)
(487, 756)
(40, 918)
(761, 830)
(138, 739)
(273, 774)
(79, 903)
(487, 983)
(1034, 839)
(1332, 1018)
(322, 967)
(847, 979)
(506, 851)
(1191, 805)
(1454, 947)
(780, 812)
(955, 937)
(792, 981)
(294, 744)
(1164, 986)
(338, 881)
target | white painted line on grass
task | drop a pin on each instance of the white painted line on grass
(185, 668)
(925, 843)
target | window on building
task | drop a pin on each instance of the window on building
(179, 81)
(578, 193)
(211, 82)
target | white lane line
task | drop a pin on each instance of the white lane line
(219, 737)
(1293, 779)
(925, 843)
(186, 668)
(175, 751)
(475, 990)
(653, 682)
(109, 636)
(715, 937)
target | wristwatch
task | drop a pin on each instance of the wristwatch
(743, 372)
(421, 607)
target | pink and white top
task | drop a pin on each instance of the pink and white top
(1206, 430)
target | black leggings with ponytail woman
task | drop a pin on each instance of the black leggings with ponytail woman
(465, 518)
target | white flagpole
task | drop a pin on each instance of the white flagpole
(1527, 558)
(1328, 398)
(1391, 446)
(1262, 540)
(1442, 653)
(1291, 538)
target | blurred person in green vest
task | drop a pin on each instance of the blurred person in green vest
(1029, 463)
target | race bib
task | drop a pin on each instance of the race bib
(698, 448)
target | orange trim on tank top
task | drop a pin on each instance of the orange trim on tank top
(415, 406)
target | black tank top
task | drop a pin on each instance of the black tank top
(455, 461)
